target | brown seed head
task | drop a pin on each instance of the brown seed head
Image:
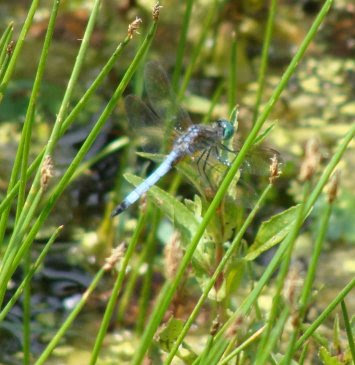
(216, 324)
(143, 203)
(10, 47)
(133, 27)
(234, 327)
(173, 255)
(46, 171)
(333, 187)
(156, 11)
(293, 284)
(116, 255)
(311, 160)
(275, 171)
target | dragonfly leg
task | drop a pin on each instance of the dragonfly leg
(227, 148)
(205, 165)
(199, 160)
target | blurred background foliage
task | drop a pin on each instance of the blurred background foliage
(319, 102)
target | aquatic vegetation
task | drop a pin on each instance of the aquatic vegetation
(186, 256)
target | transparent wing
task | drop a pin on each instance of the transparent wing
(144, 124)
(163, 100)
(258, 159)
(207, 170)
(206, 174)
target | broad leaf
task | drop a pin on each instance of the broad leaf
(178, 214)
(272, 232)
(327, 358)
(169, 333)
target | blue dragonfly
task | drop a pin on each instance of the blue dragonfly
(205, 144)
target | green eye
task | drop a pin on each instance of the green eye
(228, 130)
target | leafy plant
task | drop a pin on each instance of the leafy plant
(208, 251)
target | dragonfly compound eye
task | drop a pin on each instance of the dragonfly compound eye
(228, 129)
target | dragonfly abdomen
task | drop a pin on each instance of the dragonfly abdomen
(151, 180)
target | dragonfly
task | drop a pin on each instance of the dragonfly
(204, 143)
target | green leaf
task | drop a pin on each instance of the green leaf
(234, 276)
(156, 157)
(263, 135)
(327, 359)
(169, 333)
(336, 332)
(272, 232)
(179, 215)
(234, 117)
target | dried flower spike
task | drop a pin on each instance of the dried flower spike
(216, 324)
(10, 47)
(232, 330)
(172, 256)
(133, 27)
(143, 203)
(116, 255)
(275, 171)
(156, 11)
(333, 187)
(311, 160)
(46, 171)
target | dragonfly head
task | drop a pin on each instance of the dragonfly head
(227, 128)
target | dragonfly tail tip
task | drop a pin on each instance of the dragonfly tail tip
(118, 210)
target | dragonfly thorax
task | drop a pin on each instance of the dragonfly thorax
(188, 142)
(199, 137)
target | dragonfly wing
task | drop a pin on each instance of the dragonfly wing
(258, 159)
(206, 174)
(163, 99)
(144, 124)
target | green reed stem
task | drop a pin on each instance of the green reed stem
(215, 97)
(68, 92)
(331, 306)
(231, 250)
(20, 158)
(206, 350)
(243, 346)
(117, 287)
(65, 180)
(232, 77)
(303, 354)
(274, 336)
(26, 320)
(69, 321)
(276, 332)
(5, 63)
(306, 291)
(246, 305)
(29, 275)
(197, 49)
(169, 290)
(264, 58)
(18, 47)
(348, 330)
(30, 114)
(106, 151)
(4, 50)
(70, 118)
(182, 45)
(134, 273)
(264, 348)
(4, 41)
(146, 292)
(36, 191)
